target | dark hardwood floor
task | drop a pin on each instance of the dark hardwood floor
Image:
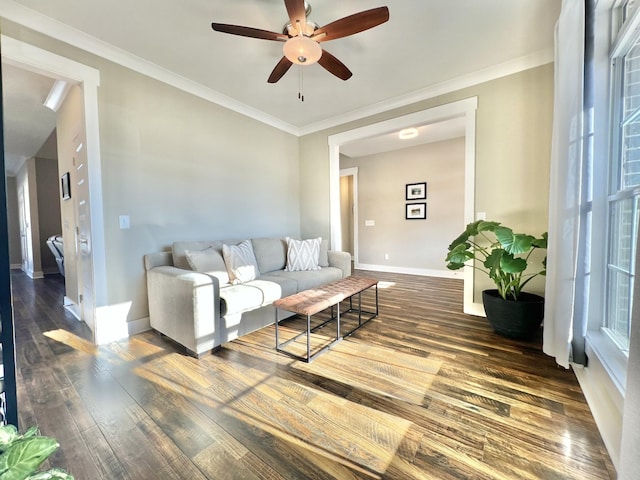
(423, 391)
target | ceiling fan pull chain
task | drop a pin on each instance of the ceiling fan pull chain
(300, 84)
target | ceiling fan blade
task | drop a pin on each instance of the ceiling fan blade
(248, 32)
(335, 66)
(281, 68)
(296, 11)
(358, 22)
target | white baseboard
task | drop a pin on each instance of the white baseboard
(72, 307)
(408, 270)
(112, 324)
(16, 266)
(33, 274)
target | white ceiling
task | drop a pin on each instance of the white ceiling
(27, 122)
(425, 44)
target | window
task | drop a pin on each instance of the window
(624, 194)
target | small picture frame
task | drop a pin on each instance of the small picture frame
(65, 185)
(416, 211)
(416, 191)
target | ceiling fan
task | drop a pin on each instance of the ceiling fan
(302, 37)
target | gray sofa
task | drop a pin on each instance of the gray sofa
(201, 309)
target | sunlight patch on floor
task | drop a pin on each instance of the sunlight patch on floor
(72, 340)
(377, 370)
(318, 424)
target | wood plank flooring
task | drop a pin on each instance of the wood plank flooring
(421, 392)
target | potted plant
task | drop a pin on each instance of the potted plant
(22, 455)
(505, 257)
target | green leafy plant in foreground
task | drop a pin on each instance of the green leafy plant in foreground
(503, 254)
(22, 455)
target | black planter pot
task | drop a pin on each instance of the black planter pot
(519, 319)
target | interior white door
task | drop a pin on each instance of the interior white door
(86, 301)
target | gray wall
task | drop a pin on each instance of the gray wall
(48, 209)
(382, 178)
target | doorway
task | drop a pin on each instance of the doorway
(93, 267)
(463, 108)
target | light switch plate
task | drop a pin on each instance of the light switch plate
(369, 223)
(124, 222)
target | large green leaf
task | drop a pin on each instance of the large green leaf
(458, 256)
(542, 241)
(472, 230)
(511, 264)
(514, 243)
(25, 456)
(492, 263)
(8, 434)
(53, 474)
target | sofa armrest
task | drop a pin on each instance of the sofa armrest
(185, 306)
(158, 259)
(341, 260)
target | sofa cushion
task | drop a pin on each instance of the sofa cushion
(248, 296)
(240, 261)
(311, 279)
(271, 253)
(208, 261)
(303, 254)
(288, 286)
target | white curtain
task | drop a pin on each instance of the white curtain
(566, 281)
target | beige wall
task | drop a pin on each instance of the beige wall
(382, 178)
(185, 169)
(513, 139)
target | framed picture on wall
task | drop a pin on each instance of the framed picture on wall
(416, 211)
(66, 186)
(416, 191)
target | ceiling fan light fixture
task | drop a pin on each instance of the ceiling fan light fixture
(408, 133)
(302, 50)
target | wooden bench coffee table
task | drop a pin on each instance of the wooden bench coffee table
(315, 300)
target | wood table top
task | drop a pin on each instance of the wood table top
(312, 301)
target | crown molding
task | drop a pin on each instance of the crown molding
(517, 65)
(60, 31)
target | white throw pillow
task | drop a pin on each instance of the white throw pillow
(208, 261)
(303, 254)
(240, 261)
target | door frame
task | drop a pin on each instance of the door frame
(43, 62)
(462, 108)
(353, 172)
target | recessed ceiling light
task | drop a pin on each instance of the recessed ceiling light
(408, 133)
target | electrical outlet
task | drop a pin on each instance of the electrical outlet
(386, 256)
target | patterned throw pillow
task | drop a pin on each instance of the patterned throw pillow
(240, 261)
(303, 254)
